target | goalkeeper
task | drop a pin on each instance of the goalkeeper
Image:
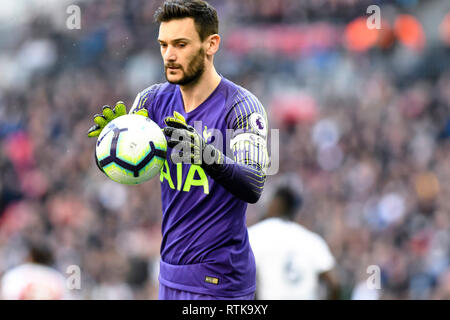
(205, 251)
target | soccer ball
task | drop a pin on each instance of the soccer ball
(131, 149)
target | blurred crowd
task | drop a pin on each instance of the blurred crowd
(364, 126)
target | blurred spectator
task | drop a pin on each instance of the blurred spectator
(34, 280)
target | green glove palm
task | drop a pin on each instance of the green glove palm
(108, 114)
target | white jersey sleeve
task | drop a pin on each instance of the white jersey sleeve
(324, 260)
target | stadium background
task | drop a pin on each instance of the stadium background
(363, 118)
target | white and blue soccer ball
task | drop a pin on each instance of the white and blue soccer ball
(131, 149)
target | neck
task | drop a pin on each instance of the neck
(196, 94)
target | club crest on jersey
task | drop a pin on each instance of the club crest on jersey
(206, 135)
(258, 123)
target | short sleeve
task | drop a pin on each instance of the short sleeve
(324, 260)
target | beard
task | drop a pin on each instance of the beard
(195, 70)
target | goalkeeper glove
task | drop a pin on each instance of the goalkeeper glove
(189, 146)
(101, 120)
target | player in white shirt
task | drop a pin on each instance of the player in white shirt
(290, 260)
(34, 280)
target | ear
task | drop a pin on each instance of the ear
(212, 45)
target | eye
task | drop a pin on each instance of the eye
(182, 45)
(163, 45)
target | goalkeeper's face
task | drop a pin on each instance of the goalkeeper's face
(182, 51)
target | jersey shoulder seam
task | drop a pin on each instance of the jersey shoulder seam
(154, 91)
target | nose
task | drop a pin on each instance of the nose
(169, 55)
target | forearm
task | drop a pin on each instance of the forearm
(243, 181)
(244, 177)
(332, 283)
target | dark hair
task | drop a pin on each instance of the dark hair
(40, 253)
(291, 200)
(204, 15)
